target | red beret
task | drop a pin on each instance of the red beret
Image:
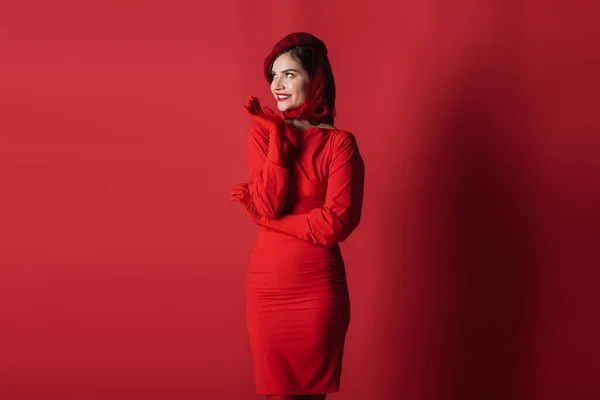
(290, 41)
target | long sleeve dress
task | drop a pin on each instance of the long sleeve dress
(298, 307)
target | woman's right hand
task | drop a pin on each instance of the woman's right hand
(266, 117)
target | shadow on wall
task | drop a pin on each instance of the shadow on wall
(473, 259)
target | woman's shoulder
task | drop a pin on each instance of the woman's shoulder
(340, 141)
(342, 136)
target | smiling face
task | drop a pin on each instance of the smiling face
(290, 84)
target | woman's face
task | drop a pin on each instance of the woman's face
(290, 83)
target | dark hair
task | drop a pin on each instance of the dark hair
(302, 54)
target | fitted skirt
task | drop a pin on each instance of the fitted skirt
(298, 312)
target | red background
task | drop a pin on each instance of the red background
(122, 262)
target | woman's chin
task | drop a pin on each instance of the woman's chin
(285, 107)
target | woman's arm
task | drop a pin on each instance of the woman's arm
(269, 177)
(340, 215)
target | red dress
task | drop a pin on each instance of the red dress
(298, 308)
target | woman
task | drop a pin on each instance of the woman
(305, 191)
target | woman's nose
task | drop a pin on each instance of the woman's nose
(277, 84)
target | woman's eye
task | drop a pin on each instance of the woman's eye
(289, 75)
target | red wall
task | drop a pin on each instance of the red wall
(122, 261)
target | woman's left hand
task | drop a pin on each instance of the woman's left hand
(241, 194)
(266, 117)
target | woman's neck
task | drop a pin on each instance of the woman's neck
(302, 125)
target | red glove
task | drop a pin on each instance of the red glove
(266, 117)
(241, 194)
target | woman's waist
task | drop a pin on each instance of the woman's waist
(286, 273)
(272, 241)
(274, 251)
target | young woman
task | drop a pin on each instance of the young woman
(305, 190)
